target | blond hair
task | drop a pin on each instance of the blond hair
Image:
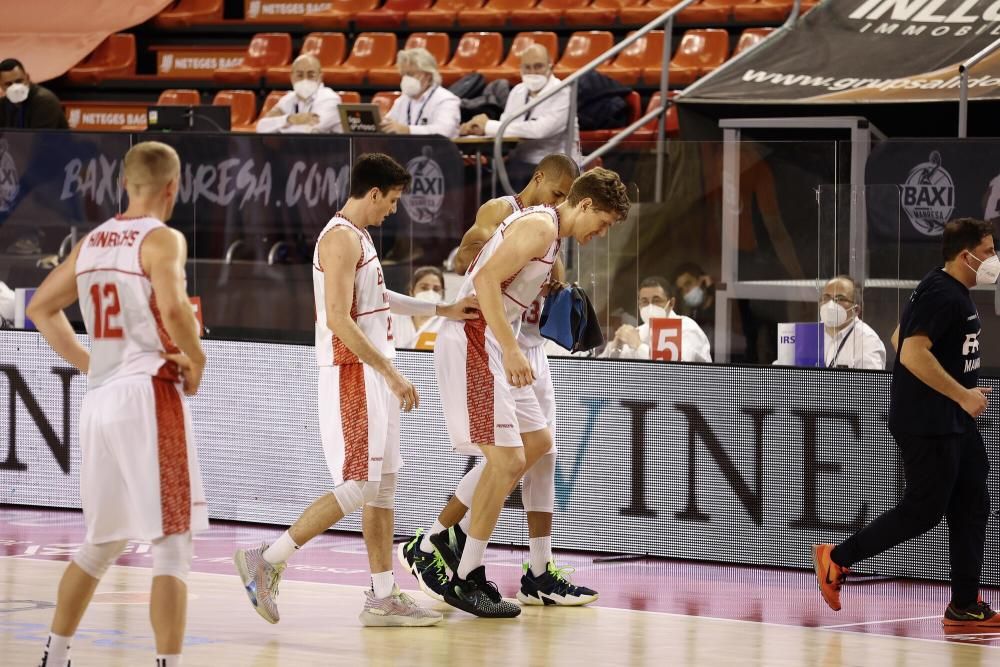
(605, 188)
(149, 166)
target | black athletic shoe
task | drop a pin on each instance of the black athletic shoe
(479, 597)
(553, 588)
(450, 544)
(428, 568)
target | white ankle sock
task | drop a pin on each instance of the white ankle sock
(465, 522)
(425, 544)
(541, 554)
(382, 584)
(472, 556)
(168, 660)
(56, 650)
(281, 549)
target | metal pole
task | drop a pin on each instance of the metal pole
(571, 122)
(963, 102)
(661, 125)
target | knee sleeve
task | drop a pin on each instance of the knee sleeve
(538, 492)
(95, 559)
(467, 485)
(351, 495)
(172, 556)
(386, 496)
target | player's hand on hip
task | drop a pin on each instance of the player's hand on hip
(974, 402)
(190, 371)
(517, 368)
(463, 309)
(404, 391)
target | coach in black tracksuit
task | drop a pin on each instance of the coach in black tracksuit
(933, 404)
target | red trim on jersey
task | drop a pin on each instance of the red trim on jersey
(354, 421)
(171, 446)
(520, 202)
(372, 312)
(131, 273)
(341, 353)
(361, 264)
(169, 370)
(515, 301)
(479, 384)
(121, 217)
(144, 237)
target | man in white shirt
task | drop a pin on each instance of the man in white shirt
(425, 107)
(656, 300)
(310, 108)
(849, 342)
(542, 130)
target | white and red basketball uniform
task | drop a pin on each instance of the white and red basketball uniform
(139, 474)
(358, 413)
(480, 407)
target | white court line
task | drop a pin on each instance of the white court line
(888, 620)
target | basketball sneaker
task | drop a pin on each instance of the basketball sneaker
(829, 575)
(479, 597)
(397, 610)
(429, 569)
(979, 615)
(450, 544)
(553, 588)
(260, 580)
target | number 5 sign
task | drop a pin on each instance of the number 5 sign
(665, 338)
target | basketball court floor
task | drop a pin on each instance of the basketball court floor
(651, 612)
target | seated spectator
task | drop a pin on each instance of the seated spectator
(542, 130)
(309, 108)
(425, 107)
(419, 333)
(696, 295)
(26, 104)
(849, 342)
(656, 300)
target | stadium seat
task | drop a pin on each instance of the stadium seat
(443, 15)
(593, 138)
(114, 58)
(647, 133)
(186, 13)
(475, 51)
(700, 52)
(272, 99)
(435, 42)
(601, 12)
(581, 48)
(339, 16)
(627, 68)
(179, 96)
(644, 14)
(511, 67)
(750, 38)
(389, 16)
(242, 108)
(385, 100)
(761, 11)
(707, 11)
(329, 47)
(349, 96)
(370, 50)
(545, 13)
(494, 14)
(267, 49)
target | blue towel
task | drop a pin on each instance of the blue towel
(568, 318)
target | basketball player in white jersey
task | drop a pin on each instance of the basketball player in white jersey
(139, 476)
(484, 376)
(360, 394)
(427, 554)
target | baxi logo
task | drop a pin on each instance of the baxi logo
(928, 196)
(426, 194)
(8, 179)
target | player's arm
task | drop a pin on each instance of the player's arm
(488, 218)
(339, 253)
(464, 309)
(57, 292)
(915, 353)
(895, 340)
(163, 256)
(528, 238)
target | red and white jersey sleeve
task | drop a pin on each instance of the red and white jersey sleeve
(369, 308)
(118, 305)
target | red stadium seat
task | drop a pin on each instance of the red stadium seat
(435, 42)
(700, 52)
(185, 13)
(179, 96)
(389, 16)
(370, 50)
(114, 58)
(349, 96)
(443, 15)
(647, 133)
(761, 11)
(475, 51)
(645, 13)
(601, 12)
(707, 11)
(330, 48)
(511, 67)
(750, 38)
(242, 107)
(385, 100)
(593, 138)
(627, 68)
(339, 17)
(545, 13)
(272, 99)
(581, 48)
(495, 13)
(267, 49)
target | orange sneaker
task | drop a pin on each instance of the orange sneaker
(979, 615)
(829, 575)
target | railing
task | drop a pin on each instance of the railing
(963, 91)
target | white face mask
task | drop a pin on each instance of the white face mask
(428, 295)
(989, 268)
(833, 314)
(535, 82)
(411, 86)
(650, 312)
(305, 88)
(695, 296)
(17, 92)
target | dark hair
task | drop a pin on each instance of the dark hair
(963, 234)
(688, 267)
(377, 170)
(557, 164)
(8, 64)
(425, 271)
(661, 282)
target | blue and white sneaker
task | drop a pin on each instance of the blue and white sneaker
(553, 588)
(260, 580)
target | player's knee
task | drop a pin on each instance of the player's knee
(539, 483)
(510, 465)
(172, 556)
(352, 495)
(385, 494)
(467, 485)
(95, 559)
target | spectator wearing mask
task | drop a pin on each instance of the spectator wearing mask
(849, 342)
(25, 104)
(542, 130)
(696, 295)
(309, 108)
(656, 300)
(419, 333)
(425, 107)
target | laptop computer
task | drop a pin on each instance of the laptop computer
(360, 117)
(180, 118)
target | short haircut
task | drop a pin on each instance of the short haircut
(558, 165)
(377, 170)
(963, 234)
(424, 271)
(421, 59)
(150, 165)
(661, 282)
(8, 64)
(604, 187)
(688, 267)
